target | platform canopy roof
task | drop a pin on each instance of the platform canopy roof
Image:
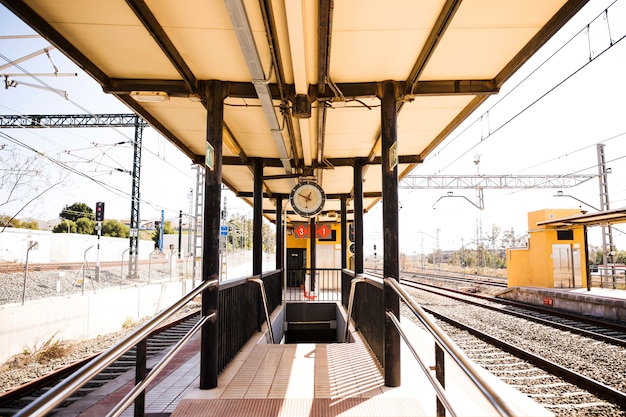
(600, 218)
(280, 56)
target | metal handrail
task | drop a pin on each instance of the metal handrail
(441, 339)
(372, 281)
(267, 313)
(47, 402)
(444, 341)
(439, 389)
(156, 370)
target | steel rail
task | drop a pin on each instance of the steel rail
(267, 313)
(562, 326)
(439, 389)
(445, 342)
(53, 377)
(596, 387)
(156, 370)
(47, 402)
(441, 339)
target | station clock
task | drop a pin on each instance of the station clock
(307, 198)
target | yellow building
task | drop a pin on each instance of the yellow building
(555, 256)
(327, 245)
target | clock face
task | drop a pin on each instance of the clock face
(307, 199)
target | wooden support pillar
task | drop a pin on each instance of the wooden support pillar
(215, 93)
(587, 268)
(313, 253)
(280, 238)
(391, 251)
(141, 370)
(257, 219)
(344, 232)
(358, 216)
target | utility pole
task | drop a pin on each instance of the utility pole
(479, 220)
(608, 250)
(224, 242)
(180, 232)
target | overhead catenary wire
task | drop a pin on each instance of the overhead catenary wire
(104, 154)
(485, 113)
(72, 170)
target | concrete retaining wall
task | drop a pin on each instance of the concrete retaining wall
(79, 317)
(598, 302)
(64, 247)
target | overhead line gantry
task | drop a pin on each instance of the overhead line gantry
(499, 182)
(96, 120)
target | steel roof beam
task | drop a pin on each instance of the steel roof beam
(569, 9)
(333, 162)
(176, 88)
(443, 21)
(144, 14)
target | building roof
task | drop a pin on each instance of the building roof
(601, 218)
(278, 56)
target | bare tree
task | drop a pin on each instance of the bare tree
(22, 181)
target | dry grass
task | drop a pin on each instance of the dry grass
(49, 350)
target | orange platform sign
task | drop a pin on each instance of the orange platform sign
(302, 231)
(323, 231)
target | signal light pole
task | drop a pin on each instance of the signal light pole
(99, 219)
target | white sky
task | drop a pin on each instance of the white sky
(556, 135)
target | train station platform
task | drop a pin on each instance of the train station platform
(602, 303)
(335, 379)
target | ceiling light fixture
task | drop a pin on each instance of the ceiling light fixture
(149, 96)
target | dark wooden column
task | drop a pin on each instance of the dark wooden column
(358, 216)
(587, 269)
(391, 251)
(313, 252)
(215, 94)
(257, 221)
(280, 238)
(344, 232)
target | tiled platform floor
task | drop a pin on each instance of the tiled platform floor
(302, 380)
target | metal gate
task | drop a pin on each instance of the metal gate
(566, 266)
(562, 266)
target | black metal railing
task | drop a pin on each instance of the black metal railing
(322, 284)
(443, 344)
(364, 304)
(241, 313)
(55, 396)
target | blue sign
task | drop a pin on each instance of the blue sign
(223, 230)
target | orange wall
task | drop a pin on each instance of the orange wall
(293, 242)
(533, 266)
(518, 266)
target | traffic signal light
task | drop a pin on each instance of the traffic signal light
(99, 211)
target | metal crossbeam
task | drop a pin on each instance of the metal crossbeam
(70, 120)
(41, 121)
(493, 181)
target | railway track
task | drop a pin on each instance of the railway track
(525, 359)
(13, 401)
(451, 277)
(557, 388)
(455, 277)
(601, 330)
(11, 268)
